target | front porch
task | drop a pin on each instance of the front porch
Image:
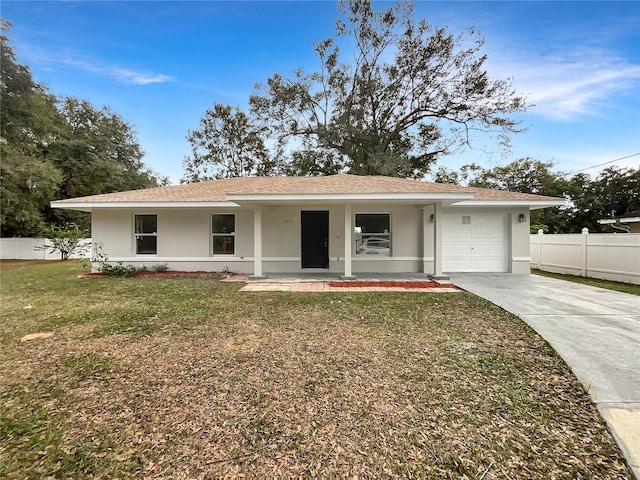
(328, 241)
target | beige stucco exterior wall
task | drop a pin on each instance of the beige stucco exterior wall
(281, 237)
(184, 238)
(428, 240)
(111, 230)
(184, 233)
(282, 232)
(520, 255)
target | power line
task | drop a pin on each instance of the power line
(605, 163)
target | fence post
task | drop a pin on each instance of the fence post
(585, 234)
(540, 234)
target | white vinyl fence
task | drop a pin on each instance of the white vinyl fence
(609, 256)
(24, 249)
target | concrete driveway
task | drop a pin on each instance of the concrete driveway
(596, 331)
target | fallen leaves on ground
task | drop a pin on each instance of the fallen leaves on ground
(407, 385)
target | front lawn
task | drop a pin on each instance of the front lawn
(189, 378)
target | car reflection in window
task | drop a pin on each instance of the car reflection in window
(374, 245)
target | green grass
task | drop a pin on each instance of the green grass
(594, 282)
(184, 377)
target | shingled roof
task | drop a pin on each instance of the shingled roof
(223, 190)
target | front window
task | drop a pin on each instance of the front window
(223, 233)
(146, 234)
(373, 234)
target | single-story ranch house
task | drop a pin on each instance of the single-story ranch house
(341, 224)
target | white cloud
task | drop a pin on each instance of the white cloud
(563, 87)
(122, 75)
(49, 58)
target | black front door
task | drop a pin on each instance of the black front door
(315, 238)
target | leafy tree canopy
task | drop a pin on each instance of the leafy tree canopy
(227, 144)
(55, 148)
(587, 197)
(29, 121)
(592, 196)
(406, 94)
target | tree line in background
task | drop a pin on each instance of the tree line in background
(405, 94)
(408, 94)
(587, 197)
(57, 147)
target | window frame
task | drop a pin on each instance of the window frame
(223, 234)
(142, 234)
(374, 235)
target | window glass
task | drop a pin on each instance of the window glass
(223, 228)
(146, 244)
(146, 234)
(224, 223)
(373, 234)
(146, 223)
(223, 245)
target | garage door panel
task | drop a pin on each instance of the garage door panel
(461, 263)
(481, 250)
(449, 220)
(481, 265)
(463, 235)
(497, 250)
(481, 235)
(487, 220)
(474, 243)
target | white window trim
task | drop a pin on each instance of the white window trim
(232, 234)
(361, 256)
(135, 235)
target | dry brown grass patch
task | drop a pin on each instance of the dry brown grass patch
(282, 385)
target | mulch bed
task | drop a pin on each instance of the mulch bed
(392, 284)
(168, 273)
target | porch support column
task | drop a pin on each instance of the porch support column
(257, 244)
(427, 239)
(348, 229)
(437, 244)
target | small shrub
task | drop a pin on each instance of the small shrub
(68, 240)
(118, 270)
(160, 267)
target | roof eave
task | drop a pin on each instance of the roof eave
(89, 206)
(531, 204)
(348, 197)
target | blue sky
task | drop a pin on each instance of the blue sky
(160, 65)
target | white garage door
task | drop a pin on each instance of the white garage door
(474, 243)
